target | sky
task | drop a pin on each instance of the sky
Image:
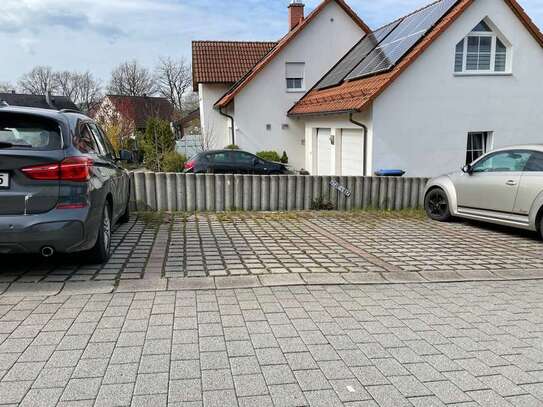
(97, 35)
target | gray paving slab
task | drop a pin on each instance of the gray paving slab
(33, 290)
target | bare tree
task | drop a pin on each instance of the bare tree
(39, 81)
(88, 91)
(174, 79)
(6, 87)
(131, 79)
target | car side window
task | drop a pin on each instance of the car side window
(505, 161)
(107, 143)
(535, 163)
(99, 140)
(244, 158)
(85, 142)
(220, 157)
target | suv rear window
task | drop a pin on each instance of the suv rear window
(23, 131)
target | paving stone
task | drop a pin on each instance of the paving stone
(250, 385)
(114, 395)
(13, 392)
(287, 395)
(220, 398)
(81, 389)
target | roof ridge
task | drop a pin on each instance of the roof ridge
(232, 42)
(136, 96)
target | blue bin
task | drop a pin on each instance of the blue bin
(389, 173)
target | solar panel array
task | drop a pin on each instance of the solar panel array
(382, 49)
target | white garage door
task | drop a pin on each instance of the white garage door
(352, 152)
(324, 152)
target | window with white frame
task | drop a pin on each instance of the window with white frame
(478, 145)
(295, 72)
(482, 51)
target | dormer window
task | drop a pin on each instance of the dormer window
(482, 51)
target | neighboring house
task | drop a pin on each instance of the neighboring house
(133, 110)
(189, 135)
(254, 85)
(40, 101)
(428, 101)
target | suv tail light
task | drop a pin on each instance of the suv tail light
(75, 169)
(189, 165)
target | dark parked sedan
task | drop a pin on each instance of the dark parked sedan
(61, 185)
(232, 162)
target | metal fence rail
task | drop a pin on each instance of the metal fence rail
(219, 192)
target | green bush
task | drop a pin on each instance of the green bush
(173, 162)
(269, 155)
(157, 141)
(284, 158)
(232, 147)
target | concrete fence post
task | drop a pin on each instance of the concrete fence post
(366, 195)
(414, 193)
(265, 193)
(383, 191)
(181, 192)
(351, 186)
(398, 194)
(317, 189)
(139, 190)
(391, 193)
(150, 190)
(406, 194)
(219, 192)
(238, 192)
(422, 187)
(375, 189)
(300, 184)
(308, 192)
(161, 196)
(291, 192)
(325, 191)
(210, 192)
(228, 192)
(283, 185)
(200, 192)
(274, 193)
(358, 194)
(171, 192)
(191, 192)
(256, 192)
(247, 192)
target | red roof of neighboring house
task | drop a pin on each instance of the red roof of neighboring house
(355, 95)
(226, 99)
(225, 61)
(139, 109)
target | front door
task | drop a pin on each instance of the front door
(325, 162)
(494, 182)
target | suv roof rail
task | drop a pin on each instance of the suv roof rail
(70, 111)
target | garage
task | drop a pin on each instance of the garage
(325, 153)
(352, 152)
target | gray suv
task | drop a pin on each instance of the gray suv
(61, 184)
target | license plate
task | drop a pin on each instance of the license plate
(4, 180)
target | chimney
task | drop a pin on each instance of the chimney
(295, 14)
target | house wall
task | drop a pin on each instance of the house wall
(336, 123)
(215, 127)
(265, 99)
(422, 120)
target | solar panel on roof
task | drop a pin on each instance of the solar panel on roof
(355, 55)
(410, 30)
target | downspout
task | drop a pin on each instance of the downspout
(365, 128)
(232, 127)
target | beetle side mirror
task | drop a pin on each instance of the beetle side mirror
(467, 169)
(125, 155)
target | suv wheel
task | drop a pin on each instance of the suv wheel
(101, 251)
(436, 205)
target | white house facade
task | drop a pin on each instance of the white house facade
(259, 101)
(472, 83)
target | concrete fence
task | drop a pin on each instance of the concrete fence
(219, 192)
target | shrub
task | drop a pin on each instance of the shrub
(157, 141)
(232, 147)
(284, 158)
(320, 204)
(269, 155)
(173, 162)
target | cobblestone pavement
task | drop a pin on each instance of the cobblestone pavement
(460, 344)
(287, 243)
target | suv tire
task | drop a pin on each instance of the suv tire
(101, 251)
(436, 205)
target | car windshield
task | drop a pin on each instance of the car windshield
(22, 131)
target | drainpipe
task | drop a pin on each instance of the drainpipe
(232, 122)
(365, 128)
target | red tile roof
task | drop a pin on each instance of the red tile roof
(225, 61)
(140, 108)
(226, 99)
(356, 95)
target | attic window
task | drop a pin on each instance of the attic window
(482, 51)
(295, 72)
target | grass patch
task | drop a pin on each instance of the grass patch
(154, 218)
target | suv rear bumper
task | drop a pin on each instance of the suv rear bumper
(63, 230)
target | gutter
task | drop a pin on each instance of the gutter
(232, 127)
(365, 128)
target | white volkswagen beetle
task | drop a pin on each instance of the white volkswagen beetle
(504, 186)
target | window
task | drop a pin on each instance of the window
(29, 132)
(98, 138)
(481, 51)
(535, 163)
(506, 161)
(244, 158)
(84, 141)
(295, 76)
(478, 145)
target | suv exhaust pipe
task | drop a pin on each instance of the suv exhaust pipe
(47, 251)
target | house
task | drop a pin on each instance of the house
(428, 93)
(247, 88)
(39, 101)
